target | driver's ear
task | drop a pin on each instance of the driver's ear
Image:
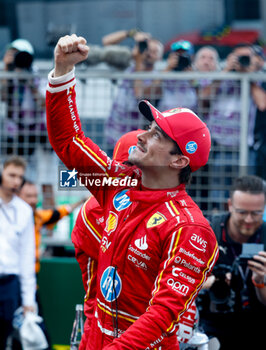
(179, 162)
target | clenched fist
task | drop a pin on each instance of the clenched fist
(70, 50)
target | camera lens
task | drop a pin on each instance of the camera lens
(143, 45)
(23, 60)
(244, 61)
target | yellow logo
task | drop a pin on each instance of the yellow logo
(155, 219)
(111, 223)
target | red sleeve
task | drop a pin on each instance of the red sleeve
(183, 270)
(87, 232)
(86, 237)
(68, 140)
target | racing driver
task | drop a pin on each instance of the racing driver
(156, 249)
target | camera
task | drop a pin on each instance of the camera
(184, 62)
(143, 45)
(23, 56)
(220, 292)
(22, 60)
(244, 61)
(248, 251)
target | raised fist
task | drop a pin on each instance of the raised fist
(70, 50)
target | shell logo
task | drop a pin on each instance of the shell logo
(111, 223)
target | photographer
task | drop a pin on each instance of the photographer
(224, 119)
(124, 116)
(178, 92)
(24, 125)
(233, 306)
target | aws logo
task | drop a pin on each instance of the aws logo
(111, 223)
(198, 242)
(155, 219)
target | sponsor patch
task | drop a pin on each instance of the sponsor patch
(177, 272)
(111, 284)
(137, 262)
(141, 243)
(155, 219)
(131, 148)
(121, 200)
(111, 223)
(105, 244)
(178, 287)
(187, 264)
(191, 255)
(191, 147)
(198, 242)
(138, 253)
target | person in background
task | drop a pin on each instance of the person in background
(235, 301)
(178, 92)
(43, 217)
(88, 230)
(259, 95)
(24, 125)
(124, 116)
(259, 59)
(206, 59)
(17, 257)
(224, 118)
(224, 121)
(153, 229)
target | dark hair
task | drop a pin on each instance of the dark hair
(185, 173)
(248, 183)
(242, 45)
(15, 160)
(28, 182)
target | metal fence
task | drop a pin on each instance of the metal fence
(222, 100)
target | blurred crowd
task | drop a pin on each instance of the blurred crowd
(217, 102)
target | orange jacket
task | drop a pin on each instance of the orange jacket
(47, 217)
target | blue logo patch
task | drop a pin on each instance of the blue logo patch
(68, 178)
(111, 284)
(191, 147)
(131, 148)
(121, 201)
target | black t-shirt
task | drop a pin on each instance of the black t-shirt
(238, 323)
(243, 294)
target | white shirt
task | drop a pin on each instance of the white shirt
(17, 246)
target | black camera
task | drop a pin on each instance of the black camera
(244, 61)
(220, 294)
(248, 251)
(22, 60)
(143, 45)
(184, 62)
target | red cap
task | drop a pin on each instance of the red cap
(185, 128)
(125, 145)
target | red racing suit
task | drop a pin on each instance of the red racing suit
(156, 250)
